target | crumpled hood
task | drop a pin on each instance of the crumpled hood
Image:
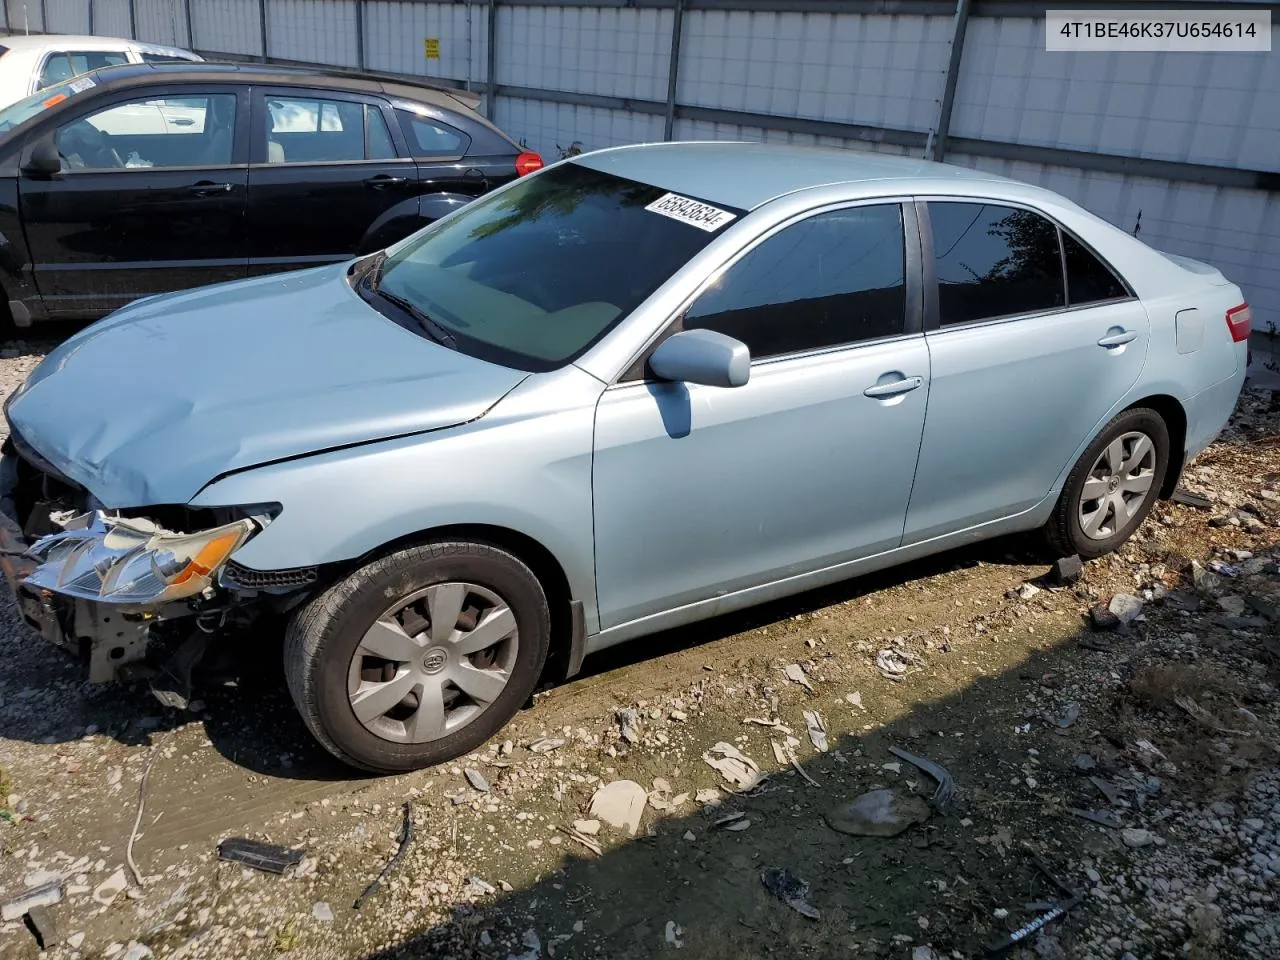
(150, 404)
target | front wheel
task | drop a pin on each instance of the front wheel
(420, 656)
(1112, 487)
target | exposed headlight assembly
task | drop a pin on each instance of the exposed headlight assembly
(132, 561)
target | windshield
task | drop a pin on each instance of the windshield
(533, 276)
(28, 107)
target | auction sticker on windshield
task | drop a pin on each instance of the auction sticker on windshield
(81, 84)
(693, 212)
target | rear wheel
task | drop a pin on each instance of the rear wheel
(1112, 487)
(420, 656)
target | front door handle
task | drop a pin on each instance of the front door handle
(1118, 339)
(207, 188)
(881, 390)
(382, 181)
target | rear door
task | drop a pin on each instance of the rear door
(1033, 340)
(151, 198)
(330, 178)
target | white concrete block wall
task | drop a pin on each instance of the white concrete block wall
(1217, 109)
(314, 30)
(610, 51)
(396, 31)
(163, 21)
(878, 70)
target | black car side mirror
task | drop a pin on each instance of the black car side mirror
(44, 161)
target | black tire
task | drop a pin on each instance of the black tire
(1064, 531)
(323, 635)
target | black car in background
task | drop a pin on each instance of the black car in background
(142, 179)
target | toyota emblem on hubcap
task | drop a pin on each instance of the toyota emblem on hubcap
(435, 660)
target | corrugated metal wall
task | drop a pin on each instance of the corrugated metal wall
(599, 75)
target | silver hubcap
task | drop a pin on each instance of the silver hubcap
(1118, 485)
(433, 662)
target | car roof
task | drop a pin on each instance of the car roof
(47, 41)
(746, 175)
(146, 74)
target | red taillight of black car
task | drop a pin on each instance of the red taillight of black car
(528, 163)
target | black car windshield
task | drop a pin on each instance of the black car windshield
(533, 276)
(40, 101)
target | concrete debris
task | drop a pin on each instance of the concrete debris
(628, 724)
(734, 766)
(76, 940)
(322, 912)
(1101, 618)
(795, 673)
(879, 813)
(138, 951)
(892, 663)
(110, 888)
(817, 730)
(1066, 571)
(1126, 607)
(476, 779)
(1069, 715)
(855, 699)
(588, 828)
(1026, 591)
(45, 925)
(708, 796)
(620, 804)
(479, 887)
(42, 895)
(1136, 837)
(673, 934)
(791, 890)
(1232, 604)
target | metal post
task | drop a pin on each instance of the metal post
(44, 16)
(953, 75)
(91, 17)
(133, 19)
(262, 17)
(360, 7)
(491, 78)
(191, 32)
(673, 69)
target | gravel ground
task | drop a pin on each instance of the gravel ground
(1049, 718)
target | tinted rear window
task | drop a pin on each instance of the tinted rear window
(534, 275)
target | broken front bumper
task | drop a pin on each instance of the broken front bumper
(105, 636)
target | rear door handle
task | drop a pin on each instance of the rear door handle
(881, 390)
(207, 188)
(382, 181)
(1118, 339)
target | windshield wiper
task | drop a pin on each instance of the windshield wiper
(433, 329)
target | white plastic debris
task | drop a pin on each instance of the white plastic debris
(620, 804)
(734, 765)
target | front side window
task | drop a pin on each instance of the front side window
(994, 261)
(307, 130)
(67, 64)
(835, 278)
(186, 131)
(533, 275)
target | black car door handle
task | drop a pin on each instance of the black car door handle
(382, 181)
(207, 188)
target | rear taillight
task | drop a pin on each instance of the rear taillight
(1239, 320)
(527, 163)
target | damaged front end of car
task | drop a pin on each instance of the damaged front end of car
(131, 593)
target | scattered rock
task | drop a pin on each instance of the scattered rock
(1066, 571)
(476, 779)
(926, 953)
(588, 828)
(879, 813)
(892, 663)
(1027, 591)
(855, 699)
(791, 890)
(1070, 715)
(138, 951)
(629, 724)
(546, 744)
(620, 804)
(45, 926)
(1136, 837)
(1085, 763)
(1101, 618)
(1126, 607)
(673, 934)
(75, 940)
(322, 912)
(1233, 605)
(1203, 580)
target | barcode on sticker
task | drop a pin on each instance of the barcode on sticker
(693, 212)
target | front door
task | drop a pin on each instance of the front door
(701, 491)
(151, 198)
(1037, 340)
(331, 179)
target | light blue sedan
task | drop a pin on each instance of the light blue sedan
(642, 387)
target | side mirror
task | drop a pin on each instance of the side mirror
(702, 356)
(44, 161)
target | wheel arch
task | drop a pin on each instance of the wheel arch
(564, 657)
(1174, 416)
